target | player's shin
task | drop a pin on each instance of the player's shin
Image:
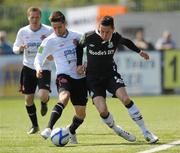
(56, 114)
(136, 116)
(31, 110)
(108, 120)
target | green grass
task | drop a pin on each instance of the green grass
(161, 114)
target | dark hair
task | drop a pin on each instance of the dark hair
(107, 21)
(33, 9)
(57, 16)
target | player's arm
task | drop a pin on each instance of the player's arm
(43, 52)
(79, 52)
(128, 43)
(19, 46)
(50, 58)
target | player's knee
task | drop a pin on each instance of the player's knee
(44, 98)
(81, 115)
(43, 95)
(125, 100)
(29, 100)
(64, 97)
(80, 112)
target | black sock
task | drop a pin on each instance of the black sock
(31, 110)
(55, 115)
(130, 104)
(76, 122)
(105, 117)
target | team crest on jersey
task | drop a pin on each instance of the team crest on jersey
(110, 45)
(43, 37)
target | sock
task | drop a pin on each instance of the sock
(108, 120)
(55, 115)
(136, 116)
(31, 110)
(76, 122)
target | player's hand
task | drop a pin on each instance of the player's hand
(50, 58)
(144, 54)
(81, 69)
(22, 48)
(39, 74)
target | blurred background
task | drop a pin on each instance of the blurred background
(153, 25)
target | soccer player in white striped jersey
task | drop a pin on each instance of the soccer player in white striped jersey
(62, 46)
(27, 42)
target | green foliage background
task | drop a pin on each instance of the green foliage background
(13, 12)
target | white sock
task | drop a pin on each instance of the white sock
(109, 121)
(137, 117)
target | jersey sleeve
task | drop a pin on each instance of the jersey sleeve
(44, 50)
(18, 42)
(79, 50)
(82, 41)
(128, 43)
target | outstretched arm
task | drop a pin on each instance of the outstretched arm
(43, 53)
(128, 43)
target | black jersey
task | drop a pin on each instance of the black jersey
(100, 53)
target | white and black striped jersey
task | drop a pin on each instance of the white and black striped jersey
(100, 53)
(63, 49)
(32, 39)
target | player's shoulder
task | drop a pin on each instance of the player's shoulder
(46, 26)
(50, 39)
(90, 34)
(74, 33)
(117, 34)
(24, 29)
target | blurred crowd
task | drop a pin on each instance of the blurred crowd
(165, 42)
(5, 46)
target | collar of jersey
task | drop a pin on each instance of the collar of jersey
(65, 35)
(103, 41)
(36, 29)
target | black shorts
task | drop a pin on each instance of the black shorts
(76, 87)
(98, 85)
(29, 81)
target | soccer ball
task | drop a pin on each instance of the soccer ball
(60, 136)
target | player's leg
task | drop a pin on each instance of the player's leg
(117, 87)
(77, 120)
(135, 114)
(31, 110)
(63, 86)
(44, 89)
(29, 83)
(98, 87)
(56, 113)
(44, 97)
(79, 100)
(107, 118)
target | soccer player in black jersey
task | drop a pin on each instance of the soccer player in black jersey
(101, 75)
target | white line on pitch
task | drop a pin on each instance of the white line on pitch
(162, 147)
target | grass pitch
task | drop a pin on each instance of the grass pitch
(161, 114)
